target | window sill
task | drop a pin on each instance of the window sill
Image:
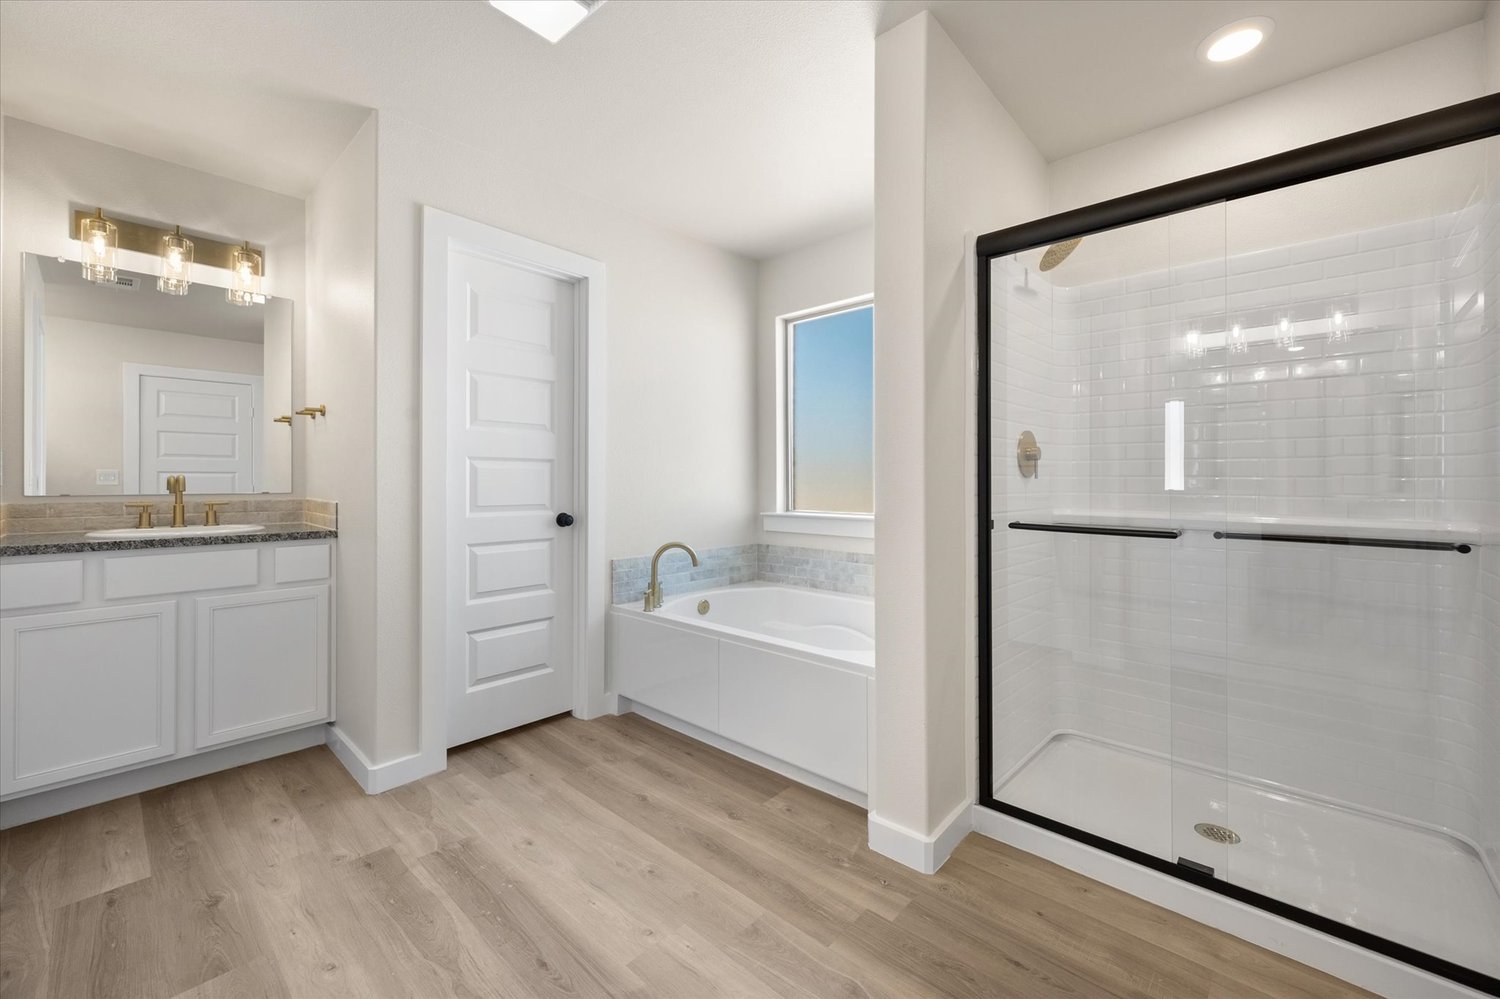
(841, 525)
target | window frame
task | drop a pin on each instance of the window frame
(786, 517)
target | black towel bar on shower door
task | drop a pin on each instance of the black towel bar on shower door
(1114, 532)
(1324, 539)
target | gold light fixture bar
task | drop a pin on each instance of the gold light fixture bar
(147, 239)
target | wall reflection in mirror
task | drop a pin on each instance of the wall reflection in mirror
(125, 387)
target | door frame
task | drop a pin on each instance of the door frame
(132, 373)
(443, 232)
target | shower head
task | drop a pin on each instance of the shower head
(1057, 253)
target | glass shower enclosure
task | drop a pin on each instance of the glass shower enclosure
(1240, 534)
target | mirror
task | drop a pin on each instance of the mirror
(125, 386)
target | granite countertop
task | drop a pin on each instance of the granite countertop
(16, 545)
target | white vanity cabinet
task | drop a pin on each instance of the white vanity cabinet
(117, 660)
(260, 663)
(87, 691)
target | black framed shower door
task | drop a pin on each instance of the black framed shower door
(1447, 127)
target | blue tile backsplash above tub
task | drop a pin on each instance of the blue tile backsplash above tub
(842, 572)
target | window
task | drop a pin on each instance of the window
(830, 442)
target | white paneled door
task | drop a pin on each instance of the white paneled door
(195, 423)
(510, 468)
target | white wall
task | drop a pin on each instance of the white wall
(44, 174)
(681, 380)
(1492, 47)
(949, 161)
(85, 412)
(833, 270)
(341, 375)
(1422, 76)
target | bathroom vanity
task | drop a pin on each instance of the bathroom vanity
(127, 664)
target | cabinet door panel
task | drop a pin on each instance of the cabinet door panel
(86, 691)
(262, 663)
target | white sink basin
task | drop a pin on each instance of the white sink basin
(135, 533)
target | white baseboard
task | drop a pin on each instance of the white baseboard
(1365, 968)
(921, 853)
(378, 777)
(45, 804)
(744, 752)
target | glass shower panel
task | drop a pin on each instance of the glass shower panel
(1190, 390)
(1361, 681)
(1086, 356)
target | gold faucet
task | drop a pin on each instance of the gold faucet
(177, 485)
(653, 592)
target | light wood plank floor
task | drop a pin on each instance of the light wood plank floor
(567, 859)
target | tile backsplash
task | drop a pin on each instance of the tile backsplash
(843, 572)
(66, 516)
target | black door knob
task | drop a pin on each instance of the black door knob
(565, 520)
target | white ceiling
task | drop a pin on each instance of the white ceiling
(1080, 73)
(744, 123)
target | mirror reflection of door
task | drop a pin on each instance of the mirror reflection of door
(126, 386)
(195, 423)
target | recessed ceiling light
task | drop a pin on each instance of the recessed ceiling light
(549, 18)
(1235, 40)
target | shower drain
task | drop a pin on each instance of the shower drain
(1217, 833)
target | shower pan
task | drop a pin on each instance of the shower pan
(1245, 630)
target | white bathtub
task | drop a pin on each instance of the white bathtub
(780, 675)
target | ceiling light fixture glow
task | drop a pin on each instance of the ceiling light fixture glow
(552, 19)
(1235, 40)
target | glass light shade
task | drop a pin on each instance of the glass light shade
(176, 264)
(245, 274)
(1237, 342)
(98, 239)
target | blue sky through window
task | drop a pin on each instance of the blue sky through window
(833, 413)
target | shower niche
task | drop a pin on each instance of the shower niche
(1245, 629)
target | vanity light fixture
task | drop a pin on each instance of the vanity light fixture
(1237, 342)
(1193, 341)
(245, 269)
(98, 239)
(552, 19)
(176, 264)
(1286, 337)
(1235, 40)
(1338, 329)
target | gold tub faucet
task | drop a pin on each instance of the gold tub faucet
(653, 592)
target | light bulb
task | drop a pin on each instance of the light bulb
(176, 264)
(1237, 342)
(247, 267)
(98, 239)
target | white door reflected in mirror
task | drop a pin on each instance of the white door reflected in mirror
(124, 386)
